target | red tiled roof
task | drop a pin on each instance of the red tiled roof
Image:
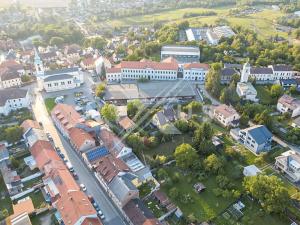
(79, 137)
(67, 115)
(11, 64)
(113, 70)
(74, 205)
(89, 61)
(43, 153)
(27, 124)
(170, 60)
(111, 141)
(196, 66)
(91, 221)
(149, 64)
(126, 123)
(109, 167)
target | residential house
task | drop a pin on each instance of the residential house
(289, 163)
(21, 219)
(33, 135)
(195, 71)
(9, 78)
(109, 167)
(11, 179)
(288, 104)
(65, 117)
(256, 138)
(162, 198)
(92, 156)
(12, 99)
(89, 63)
(81, 140)
(72, 53)
(227, 74)
(60, 82)
(288, 83)
(139, 214)
(126, 124)
(24, 205)
(29, 124)
(75, 208)
(43, 153)
(163, 117)
(226, 115)
(183, 54)
(123, 188)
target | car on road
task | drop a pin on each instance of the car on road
(57, 149)
(96, 206)
(75, 175)
(49, 136)
(83, 188)
(62, 155)
(69, 166)
(100, 215)
(91, 199)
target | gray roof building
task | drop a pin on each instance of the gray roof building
(62, 71)
(58, 77)
(261, 70)
(11, 93)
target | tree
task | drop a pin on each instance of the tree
(25, 78)
(269, 190)
(244, 120)
(174, 193)
(162, 174)
(13, 134)
(185, 156)
(97, 42)
(109, 112)
(229, 95)
(58, 41)
(133, 107)
(14, 162)
(193, 106)
(135, 141)
(213, 164)
(276, 91)
(264, 118)
(202, 139)
(213, 80)
(100, 90)
(182, 125)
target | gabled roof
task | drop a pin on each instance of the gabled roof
(285, 68)
(113, 70)
(161, 118)
(126, 123)
(43, 153)
(289, 101)
(111, 142)
(228, 72)
(225, 110)
(259, 133)
(74, 205)
(8, 74)
(28, 124)
(61, 71)
(261, 70)
(79, 137)
(139, 214)
(11, 93)
(148, 65)
(58, 77)
(196, 66)
(96, 153)
(109, 167)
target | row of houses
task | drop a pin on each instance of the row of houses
(62, 191)
(115, 165)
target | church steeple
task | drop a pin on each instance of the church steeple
(38, 63)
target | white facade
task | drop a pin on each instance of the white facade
(60, 82)
(148, 73)
(16, 82)
(226, 115)
(288, 104)
(246, 91)
(20, 101)
(198, 74)
(113, 74)
(289, 163)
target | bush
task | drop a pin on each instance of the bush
(174, 193)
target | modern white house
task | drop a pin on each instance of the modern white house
(195, 71)
(245, 89)
(12, 99)
(288, 104)
(289, 163)
(256, 138)
(183, 54)
(226, 115)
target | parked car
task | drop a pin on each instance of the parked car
(100, 215)
(83, 188)
(96, 206)
(75, 175)
(91, 199)
(69, 166)
(49, 136)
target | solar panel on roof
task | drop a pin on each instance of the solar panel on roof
(96, 153)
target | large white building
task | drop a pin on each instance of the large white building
(64, 79)
(183, 54)
(195, 71)
(272, 73)
(13, 99)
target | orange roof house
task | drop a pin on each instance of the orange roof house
(81, 140)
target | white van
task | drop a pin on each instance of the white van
(69, 166)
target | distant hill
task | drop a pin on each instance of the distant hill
(38, 3)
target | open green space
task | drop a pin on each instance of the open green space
(50, 104)
(261, 22)
(5, 202)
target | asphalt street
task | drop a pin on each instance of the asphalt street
(112, 214)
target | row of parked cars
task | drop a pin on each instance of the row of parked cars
(74, 174)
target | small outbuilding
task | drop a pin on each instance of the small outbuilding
(251, 170)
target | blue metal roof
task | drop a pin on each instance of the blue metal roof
(288, 81)
(96, 153)
(260, 134)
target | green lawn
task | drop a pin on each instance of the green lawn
(50, 104)
(206, 205)
(5, 202)
(261, 22)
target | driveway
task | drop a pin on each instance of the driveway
(111, 212)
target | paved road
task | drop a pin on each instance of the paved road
(113, 217)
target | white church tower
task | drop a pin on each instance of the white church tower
(39, 67)
(245, 73)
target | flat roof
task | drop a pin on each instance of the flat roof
(156, 89)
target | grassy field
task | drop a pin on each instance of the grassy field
(261, 22)
(50, 103)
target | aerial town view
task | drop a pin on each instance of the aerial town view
(150, 112)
